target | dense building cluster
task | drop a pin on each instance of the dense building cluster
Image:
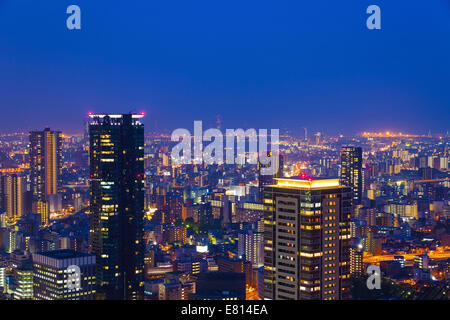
(108, 215)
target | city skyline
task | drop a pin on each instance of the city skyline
(224, 150)
(126, 212)
(295, 132)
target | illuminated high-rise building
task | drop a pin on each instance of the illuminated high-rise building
(2, 277)
(117, 204)
(250, 246)
(306, 239)
(63, 275)
(356, 260)
(175, 234)
(317, 138)
(373, 243)
(23, 275)
(351, 171)
(46, 171)
(13, 196)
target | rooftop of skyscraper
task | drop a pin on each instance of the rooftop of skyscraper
(64, 254)
(305, 182)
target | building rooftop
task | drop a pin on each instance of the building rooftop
(304, 182)
(116, 116)
(64, 254)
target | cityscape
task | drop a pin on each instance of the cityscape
(235, 152)
(111, 202)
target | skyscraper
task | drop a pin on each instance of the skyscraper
(117, 204)
(317, 138)
(63, 275)
(250, 246)
(46, 171)
(356, 260)
(2, 276)
(351, 171)
(13, 196)
(307, 234)
(23, 275)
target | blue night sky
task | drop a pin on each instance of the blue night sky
(261, 64)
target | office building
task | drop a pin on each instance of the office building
(63, 275)
(356, 260)
(189, 265)
(11, 240)
(174, 289)
(421, 261)
(373, 243)
(219, 286)
(117, 204)
(403, 209)
(46, 171)
(13, 196)
(226, 264)
(175, 234)
(2, 273)
(307, 234)
(23, 275)
(251, 246)
(351, 171)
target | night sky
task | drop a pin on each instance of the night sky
(261, 64)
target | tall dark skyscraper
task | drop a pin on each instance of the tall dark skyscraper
(46, 171)
(306, 239)
(351, 171)
(12, 189)
(117, 204)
